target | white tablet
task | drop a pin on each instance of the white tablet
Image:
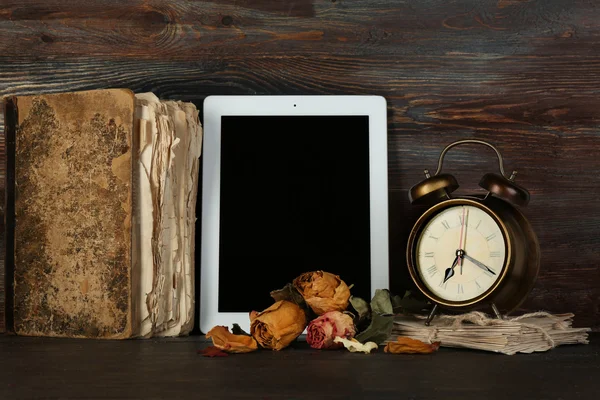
(290, 184)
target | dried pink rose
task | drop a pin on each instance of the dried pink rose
(321, 331)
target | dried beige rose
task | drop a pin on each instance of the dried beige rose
(230, 343)
(277, 326)
(323, 291)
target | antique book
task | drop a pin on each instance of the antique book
(2, 238)
(105, 185)
(528, 333)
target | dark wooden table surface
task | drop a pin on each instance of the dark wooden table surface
(171, 369)
(522, 74)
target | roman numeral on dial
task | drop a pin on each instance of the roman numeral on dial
(446, 224)
(432, 270)
(461, 289)
(495, 254)
(488, 238)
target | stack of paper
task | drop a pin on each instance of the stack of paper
(528, 333)
(165, 191)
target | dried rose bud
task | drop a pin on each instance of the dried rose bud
(322, 331)
(323, 291)
(277, 326)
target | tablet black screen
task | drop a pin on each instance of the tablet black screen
(294, 198)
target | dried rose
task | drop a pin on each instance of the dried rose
(406, 345)
(322, 331)
(227, 341)
(277, 326)
(323, 291)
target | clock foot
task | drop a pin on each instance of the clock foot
(496, 311)
(431, 315)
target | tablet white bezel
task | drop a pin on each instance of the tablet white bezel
(217, 106)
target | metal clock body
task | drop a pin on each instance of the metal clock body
(472, 252)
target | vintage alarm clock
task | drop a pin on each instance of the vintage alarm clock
(472, 252)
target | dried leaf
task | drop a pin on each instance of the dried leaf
(226, 341)
(212, 351)
(379, 329)
(382, 320)
(361, 307)
(406, 345)
(237, 330)
(408, 303)
(289, 293)
(381, 302)
(355, 346)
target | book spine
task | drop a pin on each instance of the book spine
(11, 113)
(2, 183)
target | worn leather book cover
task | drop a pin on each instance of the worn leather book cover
(73, 209)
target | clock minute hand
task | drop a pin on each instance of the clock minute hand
(479, 264)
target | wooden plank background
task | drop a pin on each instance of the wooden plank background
(522, 74)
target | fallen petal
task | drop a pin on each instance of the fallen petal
(227, 341)
(355, 346)
(406, 345)
(212, 351)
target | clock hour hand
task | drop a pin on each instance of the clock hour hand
(479, 264)
(450, 271)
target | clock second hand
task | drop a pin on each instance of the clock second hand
(460, 243)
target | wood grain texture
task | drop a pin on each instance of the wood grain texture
(521, 74)
(171, 369)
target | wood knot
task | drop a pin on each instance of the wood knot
(154, 22)
(46, 38)
(156, 18)
(227, 20)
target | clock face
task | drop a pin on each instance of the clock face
(468, 238)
